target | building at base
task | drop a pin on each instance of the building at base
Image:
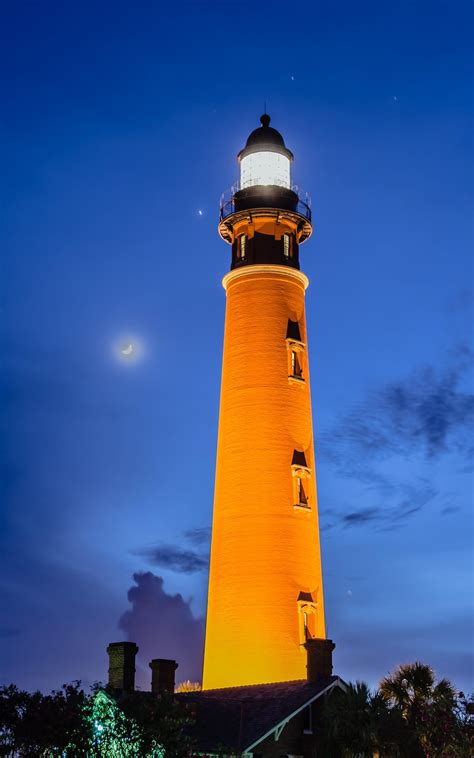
(278, 720)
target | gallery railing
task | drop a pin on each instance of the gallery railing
(228, 204)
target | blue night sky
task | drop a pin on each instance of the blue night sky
(119, 123)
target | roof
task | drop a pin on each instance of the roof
(265, 137)
(237, 718)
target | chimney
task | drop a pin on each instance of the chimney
(122, 665)
(319, 658)
(162, 675)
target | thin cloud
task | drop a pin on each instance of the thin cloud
(412, 500)
(174, 558)
(201, 535)
(361, 517)
(177, 558)
(450, 509)
(419, 419)
(428, 412)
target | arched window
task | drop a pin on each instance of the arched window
(309, 622)
(307, 610)
(296, 350)
(301, 475)
(296, 367)
(302, 496)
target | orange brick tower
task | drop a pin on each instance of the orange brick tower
(265, 599)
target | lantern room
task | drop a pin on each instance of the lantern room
(265, 160)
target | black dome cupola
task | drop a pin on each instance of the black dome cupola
(265, 138)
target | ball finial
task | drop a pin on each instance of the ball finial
(265, 119)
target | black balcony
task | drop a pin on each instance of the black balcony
(236, 200)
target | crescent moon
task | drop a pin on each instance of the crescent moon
(128, 350)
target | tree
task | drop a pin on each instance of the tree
(103, 724)
(162, 721)
(13, 705)
(349, 727)
(411, 716)
(391, 733)
(32, 724)
(431, 710)
(109, 732)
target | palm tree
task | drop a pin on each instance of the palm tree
(427, 707)
(348, 723)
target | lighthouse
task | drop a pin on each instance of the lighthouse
(265, 599)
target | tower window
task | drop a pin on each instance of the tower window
(309, 617)
(287, 246)
(296, 353)
(302, 497)
(296, 369)
(293, 331)
(307, 611)
(242, 247)
(301, 475)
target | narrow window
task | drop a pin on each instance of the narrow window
(302, 497)
(309, 618)
(287, 246)
(307, 610)
(308, 721)
(295, 353)
(301, 477)
(296, 369)
(243, 245)
(293, 331)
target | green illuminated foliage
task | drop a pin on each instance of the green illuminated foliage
(110, 732)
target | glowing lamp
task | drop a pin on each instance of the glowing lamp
(264, 168)
(265, 160)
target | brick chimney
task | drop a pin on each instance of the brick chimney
(319, 658)
(122, 665)
(162, 675)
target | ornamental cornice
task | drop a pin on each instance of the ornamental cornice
(265, 271)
